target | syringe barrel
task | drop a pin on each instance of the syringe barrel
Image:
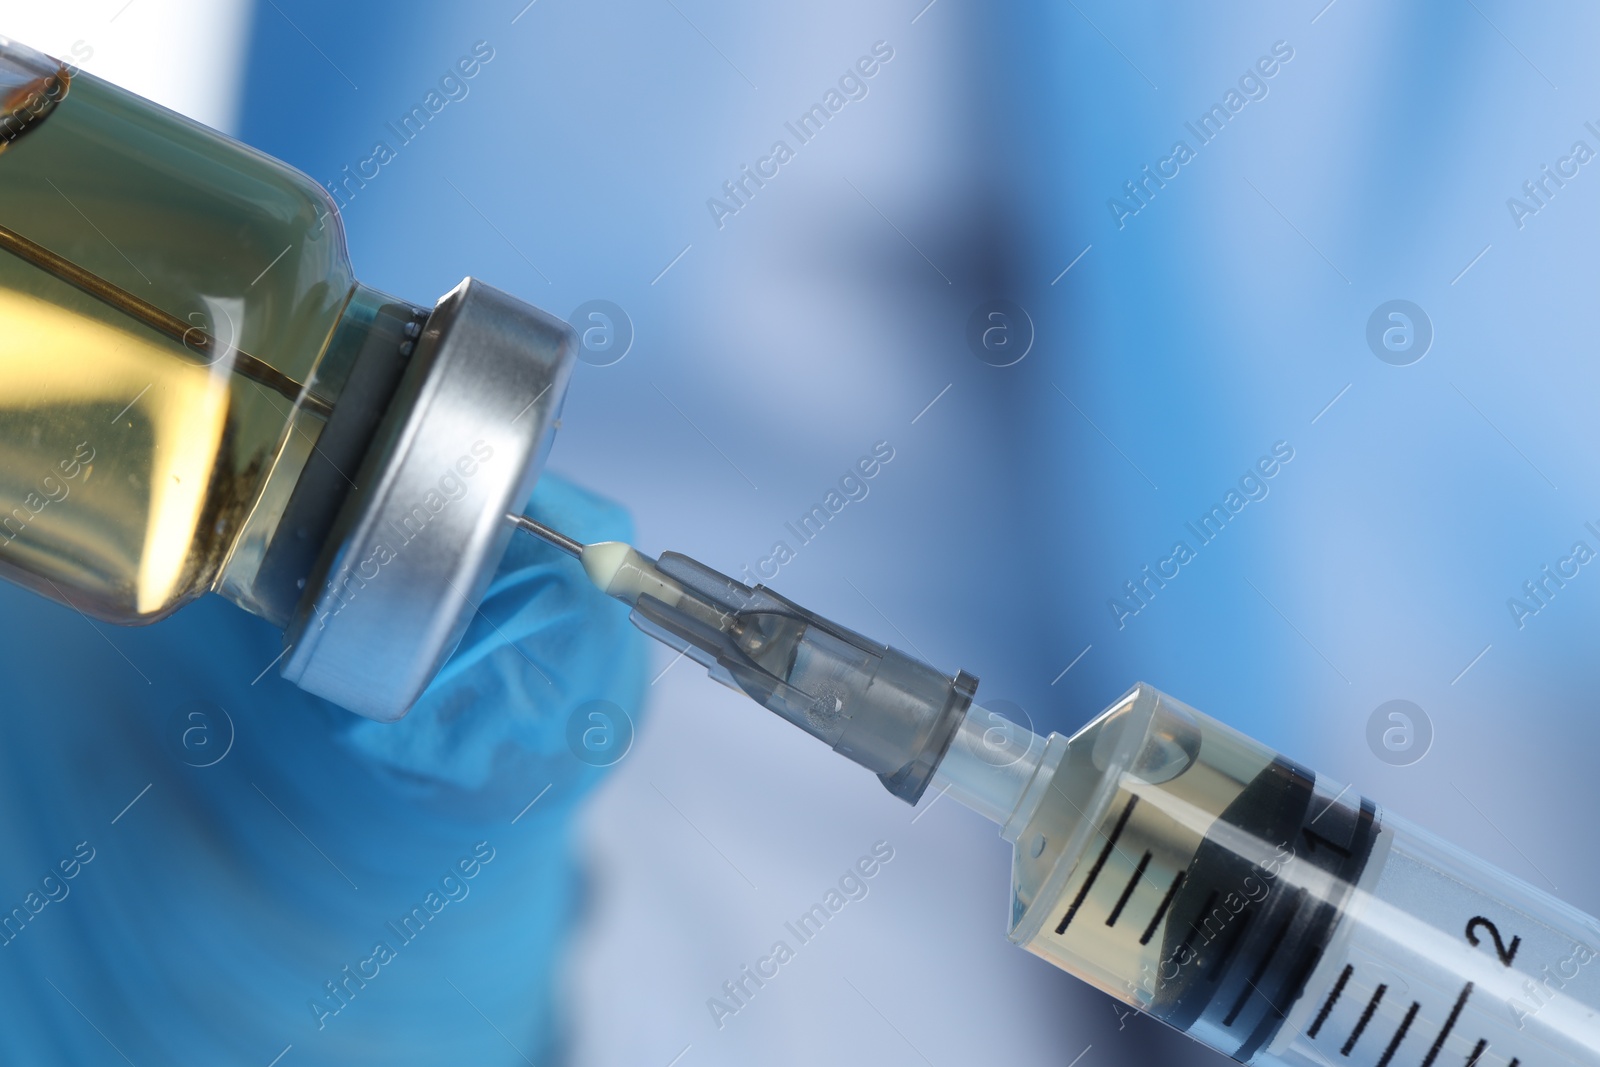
(1280, 918)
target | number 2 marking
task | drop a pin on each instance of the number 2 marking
(1506, 954)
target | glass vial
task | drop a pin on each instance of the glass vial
(191, 377)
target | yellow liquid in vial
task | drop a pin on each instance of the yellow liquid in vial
(129, 457)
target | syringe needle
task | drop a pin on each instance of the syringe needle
(615, 567)
(545, 533)
(888, 712)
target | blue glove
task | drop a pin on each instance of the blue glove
(202, 864)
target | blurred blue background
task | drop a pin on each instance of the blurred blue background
(1174, 345)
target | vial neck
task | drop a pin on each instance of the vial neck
(359, 372)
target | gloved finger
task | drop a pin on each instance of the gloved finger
(547, 681)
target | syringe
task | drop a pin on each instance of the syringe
(1169, 860)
